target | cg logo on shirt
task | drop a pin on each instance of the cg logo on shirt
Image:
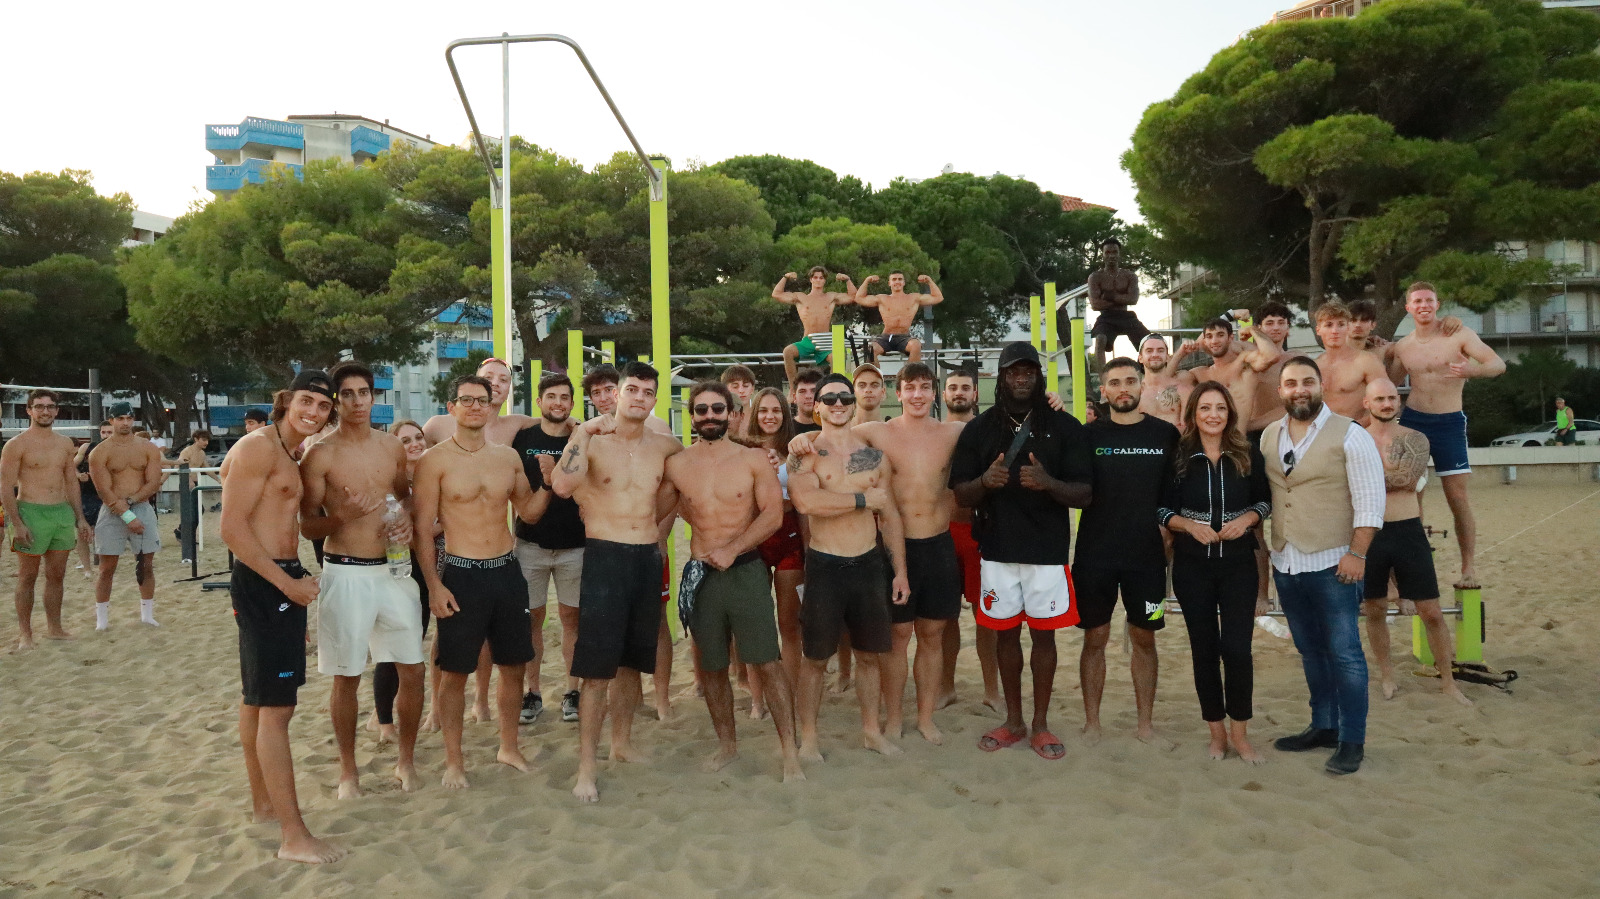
(1128, 451)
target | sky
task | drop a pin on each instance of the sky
(879, 89)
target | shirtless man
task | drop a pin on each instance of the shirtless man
(477, 593)
(1439, 365)
(730, 498)
(918, 447)
(344, 479)
(601, 386)
(961, 406)
(1401, 547)
(869, 394)
(1233, 364)
(899, 311)
(1269, 333)
(816, 317)
(127, 474)
(44, 507)
(839, 488)
(1347, 368)
(1112, 292)
(270, 590)
(613, 466)
(1164, 391)
(501, 428)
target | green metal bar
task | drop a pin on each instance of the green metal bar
(660, 289)
(575, 366)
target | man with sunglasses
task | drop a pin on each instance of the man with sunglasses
(1327, 505)
(844, 487)
(39, 488)
(729, 496)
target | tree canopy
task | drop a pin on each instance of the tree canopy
(1317, 157)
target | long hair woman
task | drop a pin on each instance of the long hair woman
(771, 429)
(1218, 493)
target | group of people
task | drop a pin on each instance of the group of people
(819, 530)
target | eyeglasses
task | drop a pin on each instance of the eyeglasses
(837, 399)
(1288, 462)
(713, 408)
(45, 408)
(470, 401)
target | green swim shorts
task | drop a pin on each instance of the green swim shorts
(814, 349)
(54, 527)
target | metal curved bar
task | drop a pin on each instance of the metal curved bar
(477, 135)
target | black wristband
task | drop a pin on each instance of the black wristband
(861, 500)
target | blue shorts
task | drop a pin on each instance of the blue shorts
(1447, 438)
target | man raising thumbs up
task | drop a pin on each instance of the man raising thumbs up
(1020, 466)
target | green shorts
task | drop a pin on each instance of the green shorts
(54, 527)
(814, 349)
(736, 604)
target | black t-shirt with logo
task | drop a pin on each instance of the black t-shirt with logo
(804, 427)
(1120, 528)
(562, 526)
(1015, 524)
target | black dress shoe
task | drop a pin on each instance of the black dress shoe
(1347, 759)
(1308, 739)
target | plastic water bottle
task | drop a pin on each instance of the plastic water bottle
(399, 553)
(1272, 626)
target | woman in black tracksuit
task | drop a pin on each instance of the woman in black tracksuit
(1218, 493)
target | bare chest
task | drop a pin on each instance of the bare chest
(613, 465)
(850, 471)
(1430, 358)
(476, 483)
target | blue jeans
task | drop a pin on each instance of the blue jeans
(1324, 617)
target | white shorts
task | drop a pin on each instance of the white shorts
(1040, 594)
(539, 565)
(112, 537)
(362, 608)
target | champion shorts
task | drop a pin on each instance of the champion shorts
(362, 610)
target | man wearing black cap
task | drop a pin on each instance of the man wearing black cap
(1020, 466)
(127, 473)
(260, 524)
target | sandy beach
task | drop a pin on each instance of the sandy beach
(121, 774)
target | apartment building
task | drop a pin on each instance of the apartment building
(244, 152)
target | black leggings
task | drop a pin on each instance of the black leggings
(385, 679)
(1213, 590)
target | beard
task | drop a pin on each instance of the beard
(1377, 417)
(713, 429)
(1125, 404)
(1156, 367)
(960, 406)
(1306, 410)
(554, 420)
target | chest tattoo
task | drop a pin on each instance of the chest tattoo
(864, 459)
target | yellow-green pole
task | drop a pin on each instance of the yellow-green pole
(1080, 371)
(837, 356)
(535, 373)
(608, 351)
(1051, 344)
(575, 365)
(500, 272)
(1469, 630)
(660, 292)
(1033, 321)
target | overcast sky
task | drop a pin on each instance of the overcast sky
(1049, 91)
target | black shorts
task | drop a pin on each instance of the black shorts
(1143, 587)
(935, 576)
(619, 609)
(845, 592)
(1401, 547)
(893, 343)
(1121, 321)
(493, 600)
(91, 508)
(272, 636)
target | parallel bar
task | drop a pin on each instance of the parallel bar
(660, 283)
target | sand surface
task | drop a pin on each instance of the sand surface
(121, 775)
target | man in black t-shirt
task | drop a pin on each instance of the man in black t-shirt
(1119, 542)
(804, 399)
(1021, 466)
(553, 547)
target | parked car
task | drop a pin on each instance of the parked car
(1545, 434)
(219, 447)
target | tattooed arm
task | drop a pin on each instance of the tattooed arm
(813, 499)
(1406, 461)
(574, 465)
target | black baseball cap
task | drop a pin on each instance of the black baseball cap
(1019, 351)
(118, 410)
(315, 381)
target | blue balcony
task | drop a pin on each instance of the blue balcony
(261, 132)
(382, 377)
(486, 346)
(367, 143)
(223, 178)
(461, 313)
(457, 350)
(383, 414)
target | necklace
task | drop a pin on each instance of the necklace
(464, 449)
(1018, 422)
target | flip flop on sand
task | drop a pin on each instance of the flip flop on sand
(999, 738)
(1047, 746)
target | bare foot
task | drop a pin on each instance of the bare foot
(59, 635)
(512, 757)
(629, 753)
(792, 772)
(407, 775)
(880, 743)
(809, 752)
(454, 778)
(720, 760)
(663, 709)
(1246, 751)
(930, 732)
(1454, 692)
(263, 814)
(586, 790)
(24, 644)
(311, 851)
(480, 714)
(995, 703)
(386, 734)
(1217, 749)
(430, 724)
(945, 701)
(1091, 734)
(758, 714)
(372, 720)
(1148, 736)
(842, 685)
(349, 788)
(895, 729)
(1468, 580)
(1389, 688)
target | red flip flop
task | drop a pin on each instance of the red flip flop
(1046, 745)
(1000, 738)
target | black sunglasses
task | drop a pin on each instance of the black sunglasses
(713, 408)
(837, 399)
(1288, 462)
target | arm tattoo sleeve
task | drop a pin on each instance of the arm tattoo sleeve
(1407, 461)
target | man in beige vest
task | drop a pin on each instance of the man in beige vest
(1327, 505)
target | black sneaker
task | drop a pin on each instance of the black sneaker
(1308, 739)
(569, 706)
(1347, 760)
(532, 708)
